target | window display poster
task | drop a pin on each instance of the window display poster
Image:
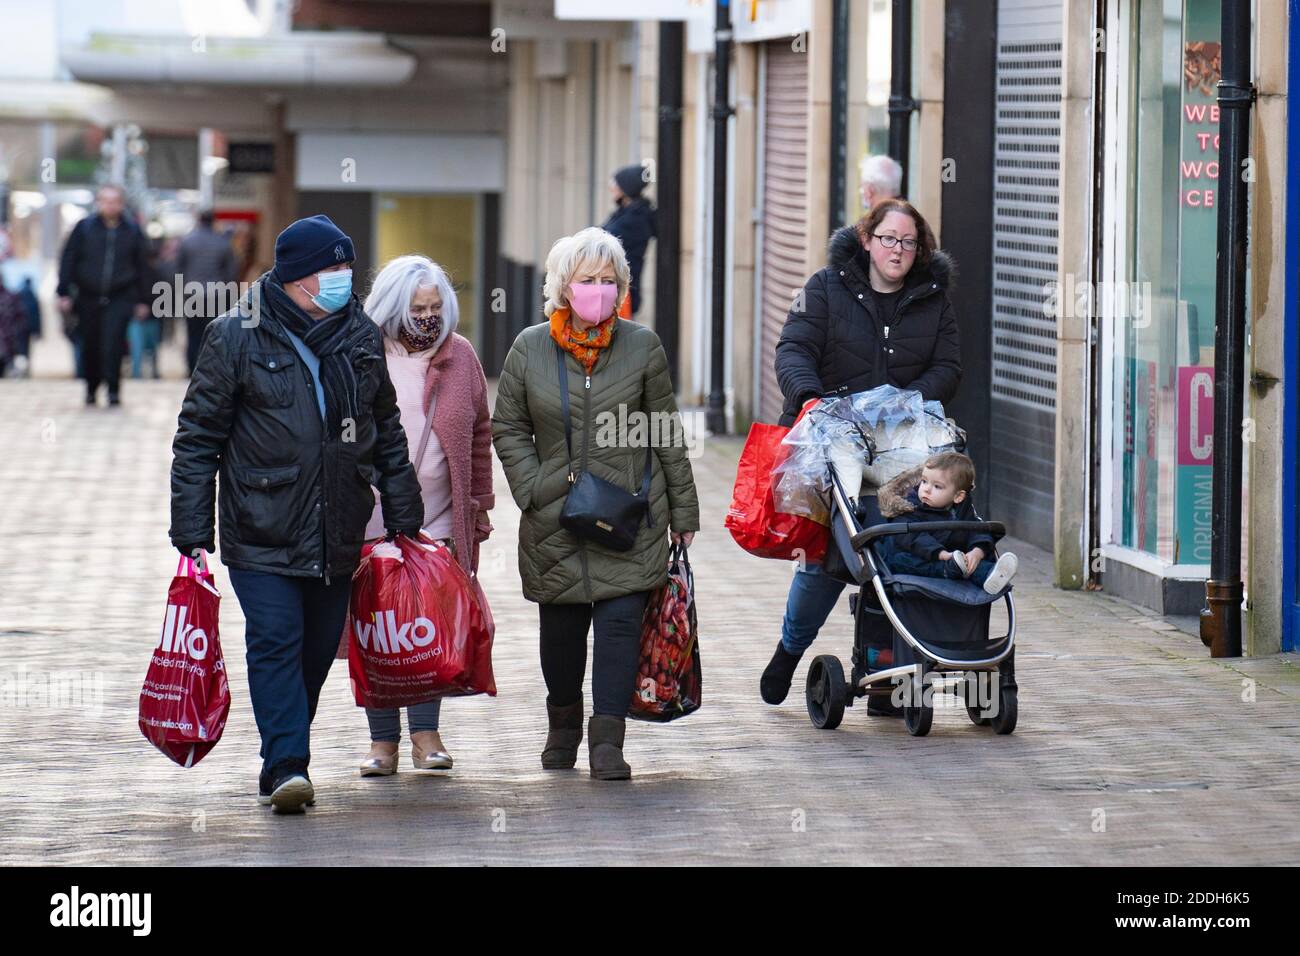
(1199, 179)
(1126, 526)
(1198, 168)
(1149, 480)
(1195, 464)
(1141, 459)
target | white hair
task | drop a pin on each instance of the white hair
(572, 251)
(389, 301)
(884, 173)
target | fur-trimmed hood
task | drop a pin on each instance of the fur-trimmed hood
(844, 247)
(892, 496)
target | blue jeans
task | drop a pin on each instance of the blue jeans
(811, 600)
(904, 562)
(292, 632)
(386, 724)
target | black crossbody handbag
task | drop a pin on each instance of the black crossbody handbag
(595, 509)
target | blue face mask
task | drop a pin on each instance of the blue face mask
(335, 290)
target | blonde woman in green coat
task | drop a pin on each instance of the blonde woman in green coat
(615, 373)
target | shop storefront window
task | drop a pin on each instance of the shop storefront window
(1163, 352)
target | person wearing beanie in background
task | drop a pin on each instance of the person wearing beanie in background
(290, 401)
(633, 223)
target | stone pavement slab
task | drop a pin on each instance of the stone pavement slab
(1133, 746)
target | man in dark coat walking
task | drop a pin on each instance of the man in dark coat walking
(104, 278)
(633, 223)
(204, 257)
(290, 402)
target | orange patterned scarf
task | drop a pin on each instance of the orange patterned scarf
(584, 342)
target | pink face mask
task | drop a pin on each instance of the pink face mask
(592, 303)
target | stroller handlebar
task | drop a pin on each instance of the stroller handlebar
(866, 535)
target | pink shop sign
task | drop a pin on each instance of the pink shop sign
(1195, 414)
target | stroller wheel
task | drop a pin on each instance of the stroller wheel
(977, 717)
(1004, 721)
(918, 710)
(824, 692)
(918, 719)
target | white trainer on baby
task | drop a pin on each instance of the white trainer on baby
(1002, 573)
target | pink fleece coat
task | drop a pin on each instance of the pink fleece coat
(463, 425)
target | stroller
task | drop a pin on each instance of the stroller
(940, 628)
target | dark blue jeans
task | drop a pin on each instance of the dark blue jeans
(812, 597)
(293, 628)
(904, 562)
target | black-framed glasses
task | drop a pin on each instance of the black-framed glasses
(417, 314)
(909, 245)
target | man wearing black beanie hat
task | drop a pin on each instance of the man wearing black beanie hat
(290, 402)
(632, 223)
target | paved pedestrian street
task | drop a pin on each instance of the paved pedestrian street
(1133, 746)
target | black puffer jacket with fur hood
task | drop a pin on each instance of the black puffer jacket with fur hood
(838, 343)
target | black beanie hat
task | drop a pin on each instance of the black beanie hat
(308, 246)
(629, 180)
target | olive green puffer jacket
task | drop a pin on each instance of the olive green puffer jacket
(528, 431)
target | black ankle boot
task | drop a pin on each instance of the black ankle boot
(560, 751)
(775, 682)
(605, 748)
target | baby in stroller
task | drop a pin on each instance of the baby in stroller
(940, 491)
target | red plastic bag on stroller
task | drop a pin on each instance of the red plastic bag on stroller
(753, 519)
(186, 694)
(418, 626)
(668, 682)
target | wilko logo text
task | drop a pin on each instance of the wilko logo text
(388, 637)
(181, 638)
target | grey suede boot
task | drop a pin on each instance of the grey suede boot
(561, 750)
(605, 748)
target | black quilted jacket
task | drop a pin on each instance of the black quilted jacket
(294, 500)
(838, 342)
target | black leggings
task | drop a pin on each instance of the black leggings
(617, 649)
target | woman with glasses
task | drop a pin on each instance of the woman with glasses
(877, 314)
(442, 396)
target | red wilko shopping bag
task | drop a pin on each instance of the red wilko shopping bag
(186, 696)
(418, 626)
(753, 519)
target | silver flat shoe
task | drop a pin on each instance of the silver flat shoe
(430, 759)
(379, 766)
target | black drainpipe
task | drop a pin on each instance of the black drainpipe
(839, 109)
(1092, 578)
(716, 417)
(901, 103)
(1221, 619)
(668, 193)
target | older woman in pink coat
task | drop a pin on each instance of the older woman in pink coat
(442, 395)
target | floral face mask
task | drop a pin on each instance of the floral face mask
(428, 328)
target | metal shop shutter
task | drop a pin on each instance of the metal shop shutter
(785, 206)
(1026, 168)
